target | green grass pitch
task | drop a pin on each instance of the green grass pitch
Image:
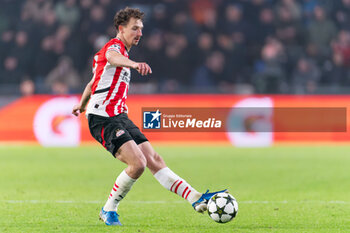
(279, 189)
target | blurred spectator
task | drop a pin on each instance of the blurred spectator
(234, 24)
(175, 57)
(341, 47)
(289, 32)
(308, 9)
(306, 77)
(294, 8)
(85, 6)
(27, 87)
(61, 39)
(6, 43)
(108, 7)
(26, 21)
(266, 26)
(253, 7)
(208, 74)
(154, 53)
(183, 24)
(235, 56)
(199, 10)
(159, 17)
(96, 25)
(10, 72)
(270, 76)
(287, 28)
(48, 24)
(22, 51)
(204, 14)
(312, 51)
(64, 78)
(337, 75)
(342, 14)
(37, 9)
(203, 47)
(67, 12)
(321, 30)
(45, 59)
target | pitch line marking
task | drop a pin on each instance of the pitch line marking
(169, 202)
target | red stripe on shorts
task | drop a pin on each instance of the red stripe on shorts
(103, 138)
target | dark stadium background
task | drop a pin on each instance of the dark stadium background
(197, 46)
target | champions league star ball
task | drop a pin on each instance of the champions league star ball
(222, 207)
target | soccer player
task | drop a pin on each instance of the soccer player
(109, 123)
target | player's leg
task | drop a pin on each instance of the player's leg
(166, 177)
(154, 161)
(171, 181)
(158, 168)
(117, 140)
(130, 154)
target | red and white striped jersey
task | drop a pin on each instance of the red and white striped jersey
(111, 84)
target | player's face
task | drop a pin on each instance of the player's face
(132, 32)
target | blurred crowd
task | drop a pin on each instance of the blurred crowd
(217, 46)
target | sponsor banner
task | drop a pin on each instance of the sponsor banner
(44, 119)
(54, 124)
(315, 119)
(246, 120)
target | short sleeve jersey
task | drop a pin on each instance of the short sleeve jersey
(111, 84)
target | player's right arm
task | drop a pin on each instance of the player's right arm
(79, 108)
(116, 59)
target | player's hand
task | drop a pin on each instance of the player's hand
(143, 68)
(77, 109)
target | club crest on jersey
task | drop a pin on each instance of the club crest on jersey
(119, 132)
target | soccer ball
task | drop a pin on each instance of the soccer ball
(222, 207)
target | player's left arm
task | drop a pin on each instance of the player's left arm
(116, 59)
(79, 108)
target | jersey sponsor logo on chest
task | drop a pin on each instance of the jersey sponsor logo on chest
(125, 76)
